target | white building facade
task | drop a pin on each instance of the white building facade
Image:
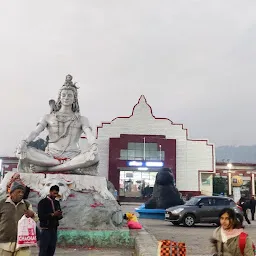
(132, 150)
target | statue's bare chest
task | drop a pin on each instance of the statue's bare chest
(60, 121)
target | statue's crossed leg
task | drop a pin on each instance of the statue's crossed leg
(40, 161)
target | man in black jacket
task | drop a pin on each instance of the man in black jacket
(245, 206)
(252, 206)
(49, 213)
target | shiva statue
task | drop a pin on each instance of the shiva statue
(65, 126)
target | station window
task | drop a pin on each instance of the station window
(136, 152)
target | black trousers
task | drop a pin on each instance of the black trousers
(252, 213)
(48, 240)
(246, 217)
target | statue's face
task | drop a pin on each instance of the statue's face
(68, 78)
(67, 97)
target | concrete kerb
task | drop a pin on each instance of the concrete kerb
(145, 243)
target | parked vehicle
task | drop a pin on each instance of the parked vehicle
(201, 209)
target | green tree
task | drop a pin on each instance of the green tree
(246, 189)
(220, 185)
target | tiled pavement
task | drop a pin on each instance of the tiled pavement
(197, 238)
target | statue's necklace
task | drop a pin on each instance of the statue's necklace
(64, 119)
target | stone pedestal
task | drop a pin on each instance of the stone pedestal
(86, 202)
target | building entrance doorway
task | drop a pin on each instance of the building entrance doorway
(137, 183)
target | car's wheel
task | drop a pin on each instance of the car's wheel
(175, 223)
(189, 220)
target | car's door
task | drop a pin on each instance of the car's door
(205, 206)
(218, 205)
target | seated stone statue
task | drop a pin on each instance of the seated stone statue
(65, 126)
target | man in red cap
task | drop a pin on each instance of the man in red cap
(11, 211)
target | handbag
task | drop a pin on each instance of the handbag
(26, 236)
(171, 248)
(38, 232)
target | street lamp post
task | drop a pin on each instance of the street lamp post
(229, 179)
(253, 183)
(1, 170)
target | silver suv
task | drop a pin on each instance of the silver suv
(201, 209)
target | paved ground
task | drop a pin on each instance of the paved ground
(196, 238)
(76, 252)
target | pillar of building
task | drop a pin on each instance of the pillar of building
(229, 184)
(253, 185)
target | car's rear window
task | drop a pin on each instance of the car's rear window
(224, 202)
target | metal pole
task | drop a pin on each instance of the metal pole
(253, 185)
(229, 165)
(160, 152)
(1, 170)
(229, 184)
(144, 148)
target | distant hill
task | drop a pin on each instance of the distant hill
(239, 154)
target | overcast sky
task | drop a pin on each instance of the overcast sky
(195, 61)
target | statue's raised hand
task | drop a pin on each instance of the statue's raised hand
(94, 147)
(22, 150)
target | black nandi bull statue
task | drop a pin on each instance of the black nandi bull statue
(165, 194)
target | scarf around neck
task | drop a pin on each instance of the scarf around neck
(227, 234)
